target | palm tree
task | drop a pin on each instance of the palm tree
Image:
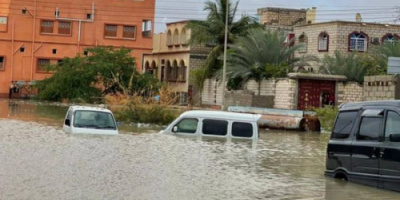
(349, 65)
(211, 32)
(261, 54)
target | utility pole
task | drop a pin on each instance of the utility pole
(223, 107)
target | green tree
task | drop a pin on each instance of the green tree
(112, 70)
(71, 81)
(258, 55)
(349, 65)
(115, 68)
(211, 32)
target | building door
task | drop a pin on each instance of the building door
(315, 93)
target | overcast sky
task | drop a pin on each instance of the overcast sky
(382, 11)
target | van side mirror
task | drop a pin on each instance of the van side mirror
(68, 122)
(175, 129)
(395, 137)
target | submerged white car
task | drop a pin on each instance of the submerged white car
(90, 120)
(215, 124)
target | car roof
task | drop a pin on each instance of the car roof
(358, 105)
(221, 115)
(90, 108)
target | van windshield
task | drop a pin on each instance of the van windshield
(94, 119)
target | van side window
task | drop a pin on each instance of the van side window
(392, 124)
(187, 126)
(215, 127)
(369, 128)
(344, 124)
(240, 129)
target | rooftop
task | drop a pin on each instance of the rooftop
(89, 108)
(358, 105)
(221, 115)
(339, 22)
(282, 9)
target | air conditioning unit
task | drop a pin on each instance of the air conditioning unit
(375, 40)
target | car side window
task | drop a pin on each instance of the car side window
(344, 124)
(69, 117)
(392, 125)
(240, 129)
(215, 127)
(369, 128)
(187, 126)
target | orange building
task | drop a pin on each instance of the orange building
(34, 33)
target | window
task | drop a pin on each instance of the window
(59, 62)
(303, 43)
(390, 38)
(323, 42)
(42, 64)
(69, 117)
(187, 126)
(64, 28)
(344, 124)
(182, 71)
(129, 32)
(146, 28)
(94, 119)
(242, 130)
(3, 20)
(369, 128)
(169, 38)
(176, 37)
(358, 42)
(2, 65)
(89, 16)
(22, 49)
(110, 30)
(47, 26)
(392, 124)
(175, 71)
(183, 37)
(215, 127)
(54, 51)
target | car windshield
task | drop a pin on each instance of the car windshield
(94, 119)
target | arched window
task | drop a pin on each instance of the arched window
(303, 43)
(323, 41)
(183, 37)
(182, 74)
(146, 67)
(175, 71)
(154, 68)
(176, 37)
(358, 41)
(390, 38)
(169, 38)
(169, 71)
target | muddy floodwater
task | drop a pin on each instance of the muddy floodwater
(39, 161)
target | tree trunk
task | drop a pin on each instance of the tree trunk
(259, 88)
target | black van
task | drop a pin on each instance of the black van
(365, 144)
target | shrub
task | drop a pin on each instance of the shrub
(327, 116)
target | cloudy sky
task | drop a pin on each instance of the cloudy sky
(382, 11)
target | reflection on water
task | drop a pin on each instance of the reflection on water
(39, 161)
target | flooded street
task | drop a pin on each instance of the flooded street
(40, 161)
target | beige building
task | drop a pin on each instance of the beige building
(327, 37)
(172, 59)
(284, 18)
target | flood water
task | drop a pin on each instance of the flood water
(39, 161)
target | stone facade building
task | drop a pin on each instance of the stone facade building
(284, 18)
(172, 59)
(327, 37)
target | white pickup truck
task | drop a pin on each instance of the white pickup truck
(90, 120)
